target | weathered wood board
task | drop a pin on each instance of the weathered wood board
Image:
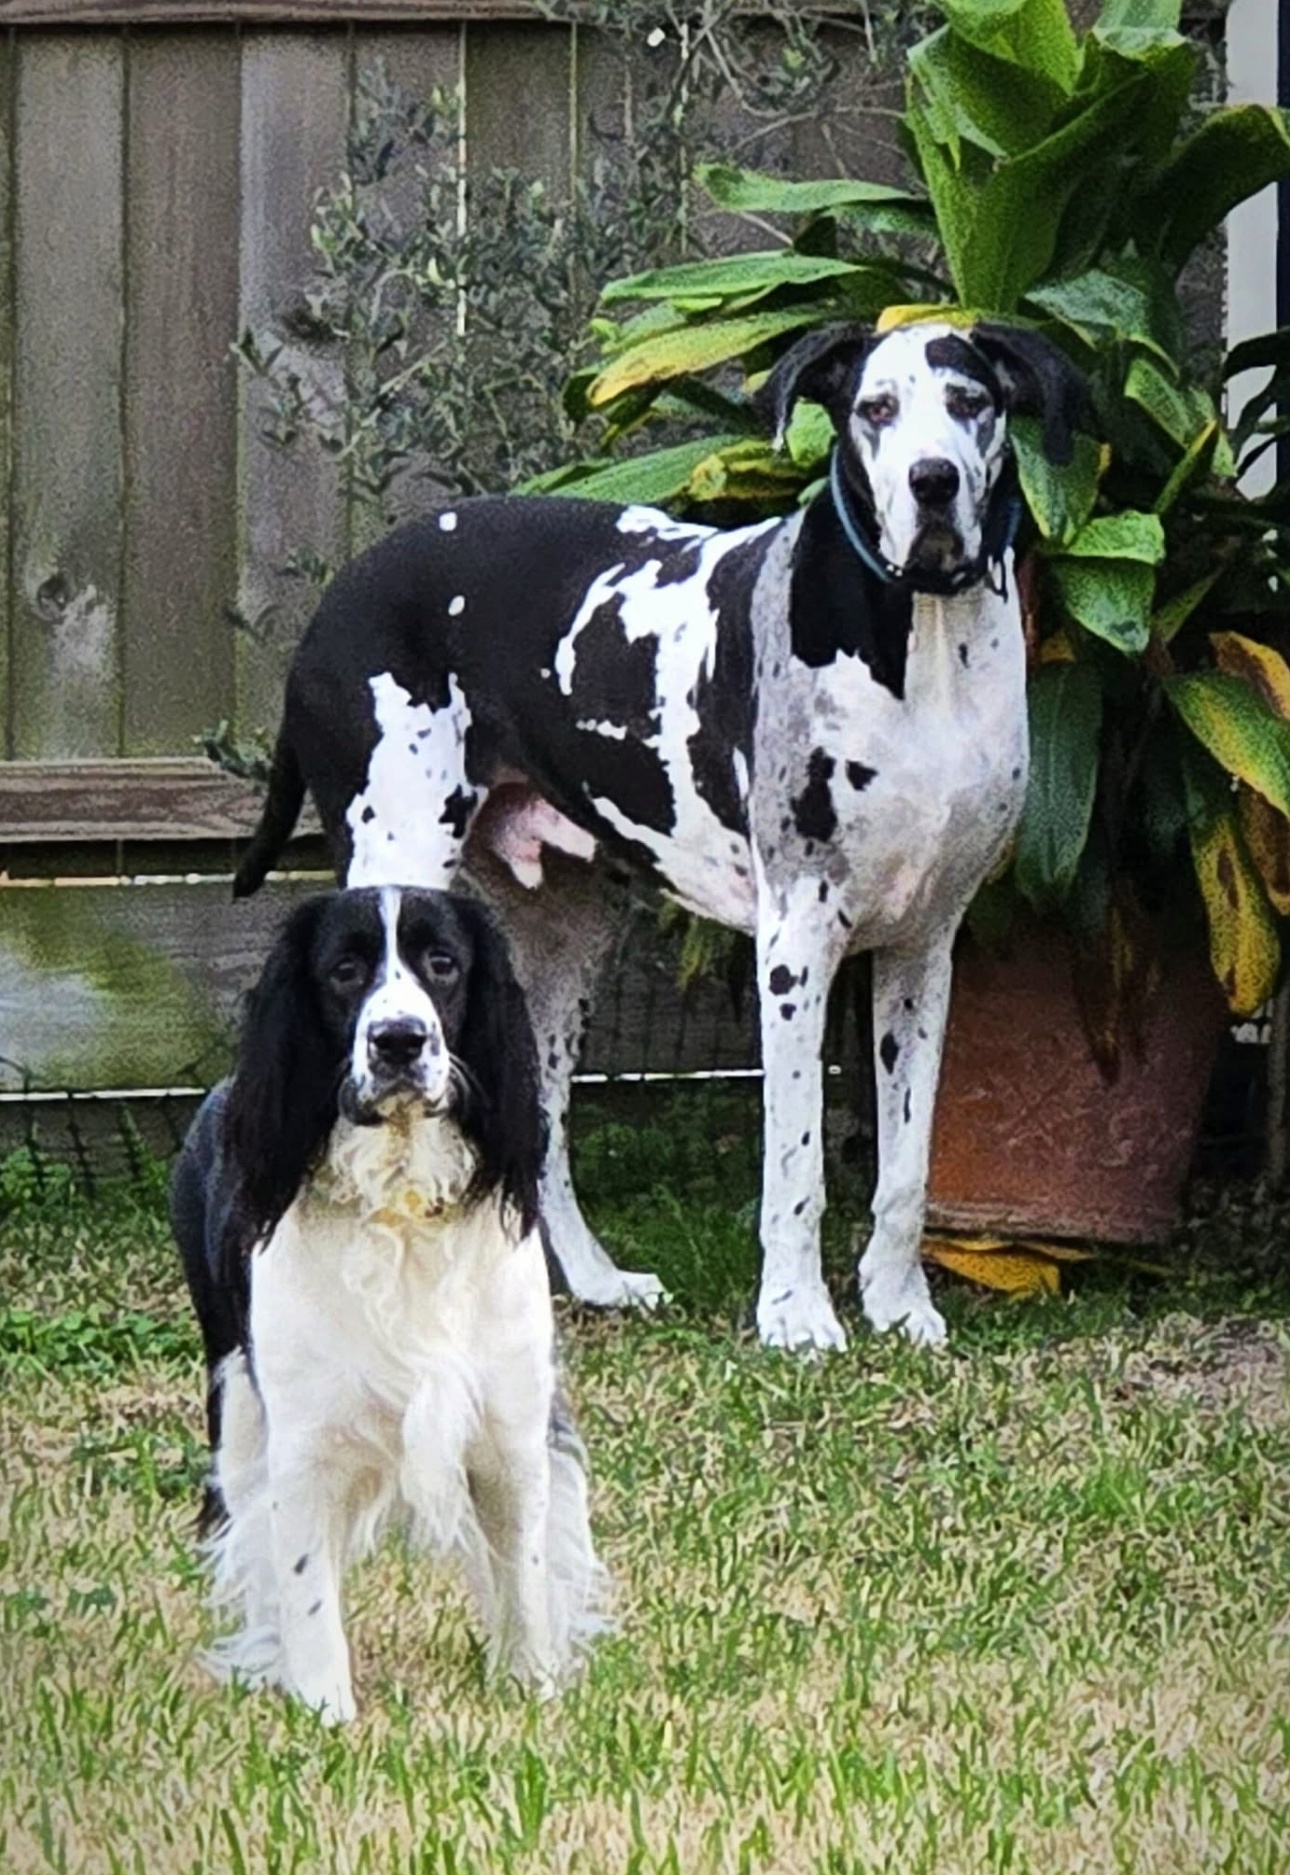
(180, 564)
(68, 209)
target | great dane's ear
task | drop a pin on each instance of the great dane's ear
(821, 366)
(1038, 380)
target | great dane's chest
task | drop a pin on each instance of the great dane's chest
(895, 808)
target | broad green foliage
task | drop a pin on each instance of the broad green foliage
(1061, 183)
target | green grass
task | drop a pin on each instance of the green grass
(1019, 1607)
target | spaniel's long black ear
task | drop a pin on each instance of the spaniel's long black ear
(503, 1115)
(1038, 380)
(821, 366)
(282, 1101)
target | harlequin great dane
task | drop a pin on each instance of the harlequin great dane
(812, 729)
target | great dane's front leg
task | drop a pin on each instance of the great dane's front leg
(911, 992)
(794, 970)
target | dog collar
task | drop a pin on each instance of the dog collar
(859, 546)
(869, 557)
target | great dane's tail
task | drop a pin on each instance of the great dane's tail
(281, 811)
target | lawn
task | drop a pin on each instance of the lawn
(1018, 1607)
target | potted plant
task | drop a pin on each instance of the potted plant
(1065, 182)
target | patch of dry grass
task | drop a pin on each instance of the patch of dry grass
(1025, 1607)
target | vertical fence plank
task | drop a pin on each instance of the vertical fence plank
(416, 63)
(295, 92)
(6, 376)
(67, 395)
(518, 105)
(180, 571)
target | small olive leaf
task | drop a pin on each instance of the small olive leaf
(1244, 949)
(731, 275)
(1110, 598)
(1129, 535)
(1065, 705)
(1230, 718)
(694, 348)
(1059, 497)
(650, 479)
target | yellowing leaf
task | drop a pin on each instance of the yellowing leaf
(692, 348)
(1244, 950)
(1016, 1272)
(1267, 835)
(892, 316)
(1258, 664)
(1056, 648)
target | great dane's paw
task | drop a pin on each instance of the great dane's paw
(902, 1301)
(335, 1705)
(621, 1289)
(801, 1319)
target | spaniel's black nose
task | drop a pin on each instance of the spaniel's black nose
(935, 482)
(396, 1044)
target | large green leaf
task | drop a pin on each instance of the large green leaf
(1065, 706)
(651, 479)
(1104, 303)
(955, 197)
(1181, 411)
(809, 436)
(1270, 350)
(1002, 234)
(1153, 16)
(1110, 598)
(1060, 498)
(1229, 717)
(970, 95)
(887, 210)
(694, 348)
(1235, 153)
(735, 274)
(1034, 35)
(1129, 535)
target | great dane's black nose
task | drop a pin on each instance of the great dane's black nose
(935, 482)
(396, 1044)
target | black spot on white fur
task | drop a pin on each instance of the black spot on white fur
(814, 814)
(888, 1051)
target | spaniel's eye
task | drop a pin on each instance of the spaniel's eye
(440, 967)
(879, 411)
(964, 403)
(349, 973)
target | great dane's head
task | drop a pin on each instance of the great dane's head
(922, 465)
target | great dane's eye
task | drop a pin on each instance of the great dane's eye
(349, 973)
(961, 402)
(440, 967)
(880, 410)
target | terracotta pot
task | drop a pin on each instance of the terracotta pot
(1029, 1138)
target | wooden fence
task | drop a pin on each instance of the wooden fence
(158, 168)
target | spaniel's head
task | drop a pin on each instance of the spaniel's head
(383, 1003)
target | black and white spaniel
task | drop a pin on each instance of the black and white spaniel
(356, 1210)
